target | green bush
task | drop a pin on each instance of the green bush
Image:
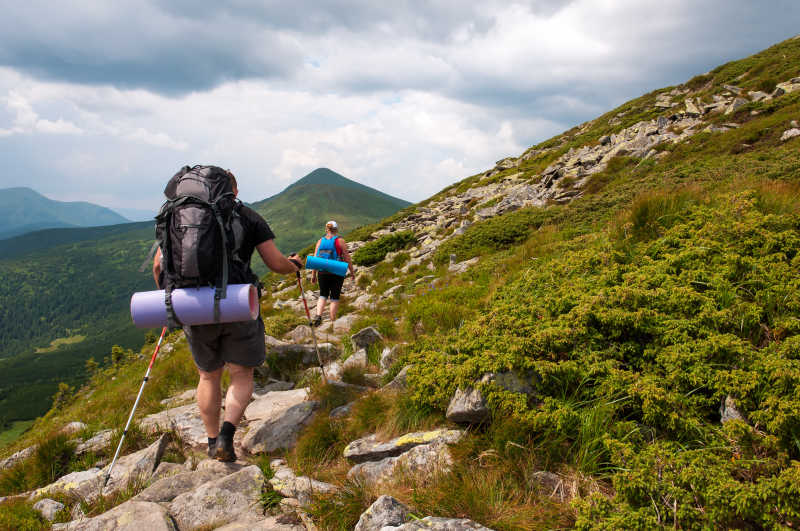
(497, 233)
(20, 516)
(632, 358)
(374, 251)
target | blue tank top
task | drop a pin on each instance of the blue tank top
(327, 248)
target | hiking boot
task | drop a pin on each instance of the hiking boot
(212, 449)
(224, 449)
(317, 321)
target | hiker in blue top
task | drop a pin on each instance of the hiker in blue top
(332, 247)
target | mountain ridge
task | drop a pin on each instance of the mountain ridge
(23, 209)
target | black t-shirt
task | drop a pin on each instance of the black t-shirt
(255, 231)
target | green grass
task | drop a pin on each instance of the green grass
(14, 432)
(373, 252)
(56, 343)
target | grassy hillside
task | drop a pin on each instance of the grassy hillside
(298, 214)
(24, 210)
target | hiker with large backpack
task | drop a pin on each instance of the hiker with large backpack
(333, 247)
(206, 237)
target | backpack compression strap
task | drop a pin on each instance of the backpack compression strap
(172, 320)
(221, 290)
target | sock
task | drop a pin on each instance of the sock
(228, 429)
(212, 441)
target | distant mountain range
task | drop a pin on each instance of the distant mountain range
(298, 214)
(24, 210)
(63, 283)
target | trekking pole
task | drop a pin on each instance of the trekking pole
(311, 325)
(130, 417)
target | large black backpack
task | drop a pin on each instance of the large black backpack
(199, 232)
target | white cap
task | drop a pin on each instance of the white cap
(332, 224)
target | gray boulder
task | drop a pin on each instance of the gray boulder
(365, 337)
(728, 411)
(273, 402)
(129, 516)
(138, 466)
(424, 462)
(96, 443)
(168, 488)
(301, 488)
(435, 523)
(270, 524)
(341, 411)
(549, 484)
(185, 420)
(48, 508)
(344, 323)
(279, 430)
(370, 449)
(85, 484)
(15, 458)
(467, 406)
(389, 357)
(358, 359)
(232, 498)
(399, 382)
(73, 427)
(385, 511)
(790, 133)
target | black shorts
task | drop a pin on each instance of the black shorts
(330, 285)
(214, 345)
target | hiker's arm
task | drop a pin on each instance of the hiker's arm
(346, 257)
(273, 258)
(314, 271)
(157, 266)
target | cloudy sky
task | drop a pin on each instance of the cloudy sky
(103, 101)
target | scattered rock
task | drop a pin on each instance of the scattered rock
(300, 354)
(364, 302)
(549, 484)
(365, 337)
(357, 359)
(385, 511)
(370, 449)
(286, 483)
(98, 442)
(73, 427)
(423, 461)
(185, 396)
(84, 484)
(435, 523)
(165, 469)
(138, 466)
(48, 508)
(168, 488)
(467, 406)
(272, 523)
(232, 498)
(735, 105)
(510, 381)
(461, 267)
(389, 357)
(270, 386)
(341, 411)
(17, 457)
(790, 133)
(344, 323)
(129, 516)
(728, 411)
(301, 334)
(280, 430)
(185, 420)
(273, 402)
(399, 382)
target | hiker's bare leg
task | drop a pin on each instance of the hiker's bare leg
(239, 392)
(208, 400)
(320, 305)
(332, 308)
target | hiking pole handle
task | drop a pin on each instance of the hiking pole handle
(136, 403)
